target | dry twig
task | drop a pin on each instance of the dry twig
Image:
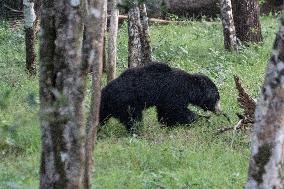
(13, 10)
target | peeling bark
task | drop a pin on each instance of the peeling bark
(112, 42)
(134, 38)
(268, 136)
(30, 17)
(247, 23)
(62, 87)
(139, 49)
(94, 44)
(230, 39)
(145, 36)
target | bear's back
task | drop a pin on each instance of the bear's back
(153, 67)
(138, 85)
(156, 66)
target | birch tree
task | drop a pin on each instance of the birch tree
(268, 135)
(139, 49)
(230, 39)
(61, 95)
(134, 36)
(145, 35)
(112, 41)
(30, 17)
(95, 29)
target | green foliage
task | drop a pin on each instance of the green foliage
(188, 156)
(172, 17)
(261, 2)
(19, 132)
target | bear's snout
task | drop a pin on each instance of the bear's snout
(217, 109)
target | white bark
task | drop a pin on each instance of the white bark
(268, 136)
(134, 38)
(30, 18)
(230, 39)
(95, 28)
(145, 36)
(62, 87)
(112, 41)
(29, 13)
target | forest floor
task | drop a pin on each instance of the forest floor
(188, 156)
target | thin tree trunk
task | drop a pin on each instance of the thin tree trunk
(247, 23)
(30, 18)
(230, 39)
(268, 136)
(105, 59)
(145, 36)
(94, 37)
(134, 41)
(112, 42)
(62, 87)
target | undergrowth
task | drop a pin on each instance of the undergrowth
(186, 156)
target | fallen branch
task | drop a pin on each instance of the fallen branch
(153, 20)
(13, 10)
(247, 103)
(235, 128)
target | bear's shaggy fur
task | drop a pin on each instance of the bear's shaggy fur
(170, 90)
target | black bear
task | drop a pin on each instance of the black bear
(170, 90)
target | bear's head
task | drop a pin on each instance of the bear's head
(209, 96)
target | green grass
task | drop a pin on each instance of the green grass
(188, 156)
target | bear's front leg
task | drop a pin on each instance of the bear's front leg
(129, 117)
(172, 116)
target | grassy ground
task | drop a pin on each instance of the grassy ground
(191, 156)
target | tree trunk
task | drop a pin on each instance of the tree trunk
(30, 18)
(230, 39)
(105, 53)
(246, 18)
(145, 36)
(268, 136)
(134, 38)
(105, 44)
(95, 29)
(62, 87)
(112, 42)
